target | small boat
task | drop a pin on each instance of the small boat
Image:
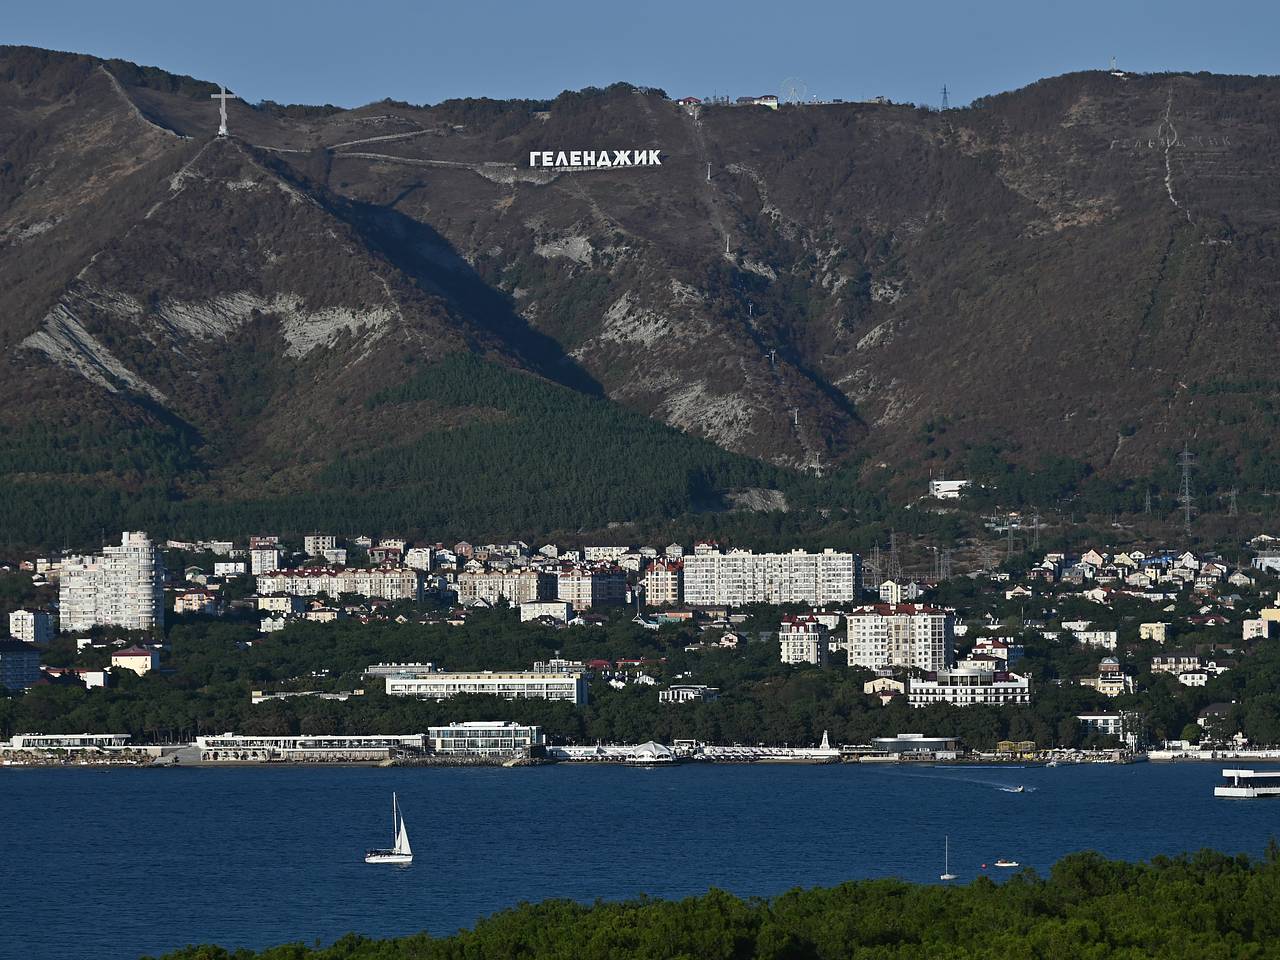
(1007, 863)
(1248, 785)
(946, 861)
(401, 852)
(1019, 789)
(1052, 763)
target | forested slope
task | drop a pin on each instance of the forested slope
(1205, 907)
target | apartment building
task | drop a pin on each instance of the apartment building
(584, 587)
(32, 626)
(740, 577)
(901, 635)
(513, 586)
(386, 583)
(663, 583)
(123, 587)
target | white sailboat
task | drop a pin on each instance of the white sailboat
(946, 861)
(401, 852)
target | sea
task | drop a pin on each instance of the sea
(122, 863)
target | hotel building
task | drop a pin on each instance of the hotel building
(524, 685)
(965, 686)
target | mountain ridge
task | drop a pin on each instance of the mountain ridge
(1080, 270)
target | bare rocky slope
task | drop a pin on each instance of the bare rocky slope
(1085, 269)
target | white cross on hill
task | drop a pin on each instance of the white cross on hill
(222, 99)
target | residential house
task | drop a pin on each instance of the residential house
(141, 660)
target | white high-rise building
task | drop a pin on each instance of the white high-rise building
(740, 577)
(124, 587)
(902, 635)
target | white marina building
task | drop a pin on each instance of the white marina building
(482, 738)
(325, 747)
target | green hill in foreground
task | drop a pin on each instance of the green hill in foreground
(1200, 907)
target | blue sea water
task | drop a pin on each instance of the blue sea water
(114, 864)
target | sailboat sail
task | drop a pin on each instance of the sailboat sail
(400, 852)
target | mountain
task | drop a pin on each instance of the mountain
(292, 324)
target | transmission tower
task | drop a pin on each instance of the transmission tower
(988, 554)
(1035, 531)
(944, 565)
(946, 103)
(1008, 531)
(894, 572)
(1186, 460)
(877, 579)
(1233, 509)
(1147, 507)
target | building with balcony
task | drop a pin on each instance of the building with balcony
(484, 738)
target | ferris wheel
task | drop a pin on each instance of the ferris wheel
(793, 90)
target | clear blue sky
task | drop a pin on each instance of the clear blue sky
(423, 51)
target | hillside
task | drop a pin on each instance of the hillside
(1075, 276)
